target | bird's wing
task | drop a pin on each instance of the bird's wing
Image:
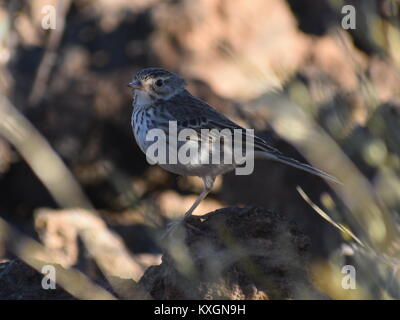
(196, 114)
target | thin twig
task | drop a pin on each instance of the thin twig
(50, 54)
(327, 217)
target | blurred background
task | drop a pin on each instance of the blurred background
(288, 69)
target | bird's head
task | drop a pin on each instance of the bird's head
(157, 83)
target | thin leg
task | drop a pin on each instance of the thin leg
(208, 183)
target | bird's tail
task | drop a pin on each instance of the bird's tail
(299, 165)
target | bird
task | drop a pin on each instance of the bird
(160, 98)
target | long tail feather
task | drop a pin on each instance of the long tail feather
(297, 164)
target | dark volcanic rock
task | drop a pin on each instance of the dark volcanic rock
(234, 253)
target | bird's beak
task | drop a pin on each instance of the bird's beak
(136, 84)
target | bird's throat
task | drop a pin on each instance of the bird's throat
(142, 98)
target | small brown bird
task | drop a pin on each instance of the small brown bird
(160, 98)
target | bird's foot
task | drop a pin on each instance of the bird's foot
(179, 224)
(172, 227)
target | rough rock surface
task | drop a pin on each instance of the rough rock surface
(234, 253)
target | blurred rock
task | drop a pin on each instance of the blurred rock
(18, 281)
(240, 48)
(385, 79)
(341, 64)
(234, 253)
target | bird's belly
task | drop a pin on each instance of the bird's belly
(192, 159)
(200, 170)
(188, 158)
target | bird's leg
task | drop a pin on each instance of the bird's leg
(208, 183)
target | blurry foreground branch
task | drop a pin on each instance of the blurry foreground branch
(39, 155)
(103, 245)
(73, 281)
(374, 224)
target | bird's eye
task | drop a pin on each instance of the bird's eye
(159, 83)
